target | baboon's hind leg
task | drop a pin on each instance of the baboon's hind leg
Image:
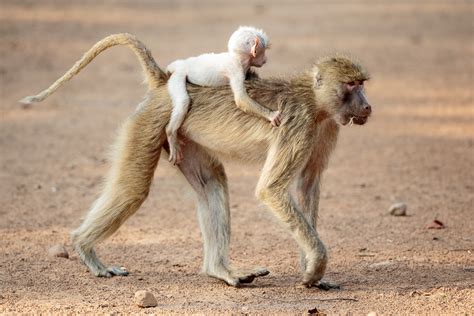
(136, 154)
(207, 177)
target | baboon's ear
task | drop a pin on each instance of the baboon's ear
(318, 79)
(253, 51)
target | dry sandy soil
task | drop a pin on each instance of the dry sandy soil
(417, 148)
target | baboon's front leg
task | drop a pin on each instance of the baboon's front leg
(137, 151)
(282, 164)
(307, 192)
(309, 178)
(308, 183)
(207, 177)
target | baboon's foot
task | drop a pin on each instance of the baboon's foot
(96, 267)
(326, 285)
(238, 278)
(315, 268)
(322, 285)
(248, 277)
(109, 272)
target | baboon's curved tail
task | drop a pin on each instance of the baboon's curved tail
(155, 76)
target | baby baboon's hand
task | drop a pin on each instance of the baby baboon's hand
(275, 118)
(176, 153)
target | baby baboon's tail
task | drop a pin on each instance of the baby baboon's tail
(155, 76)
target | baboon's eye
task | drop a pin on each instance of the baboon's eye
(352, 83)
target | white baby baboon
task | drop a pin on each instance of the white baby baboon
(246, 48)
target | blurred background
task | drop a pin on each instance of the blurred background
(417, 148)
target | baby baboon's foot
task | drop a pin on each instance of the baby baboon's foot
(275, 118)
(176, 154)
(109, 272)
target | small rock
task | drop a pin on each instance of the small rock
(38, 187)
(54, 189)
(145, 299)
(58, 251)
(398, 209)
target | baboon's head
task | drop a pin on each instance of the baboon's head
(339, 84)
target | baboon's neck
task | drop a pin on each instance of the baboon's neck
(304, 88)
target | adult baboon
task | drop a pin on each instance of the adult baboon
(313, 105)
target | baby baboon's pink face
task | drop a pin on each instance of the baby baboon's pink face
(259, 60)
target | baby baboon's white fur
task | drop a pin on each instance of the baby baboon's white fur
(246, 48)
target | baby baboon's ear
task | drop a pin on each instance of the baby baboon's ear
(255, 46)
(318, 79)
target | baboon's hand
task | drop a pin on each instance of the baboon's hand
(275, 118)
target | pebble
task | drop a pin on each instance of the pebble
(145, 299)
(58, 251)
(398, 209)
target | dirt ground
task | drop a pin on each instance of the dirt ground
(418, 148)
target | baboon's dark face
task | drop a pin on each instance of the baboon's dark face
(355, 107)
